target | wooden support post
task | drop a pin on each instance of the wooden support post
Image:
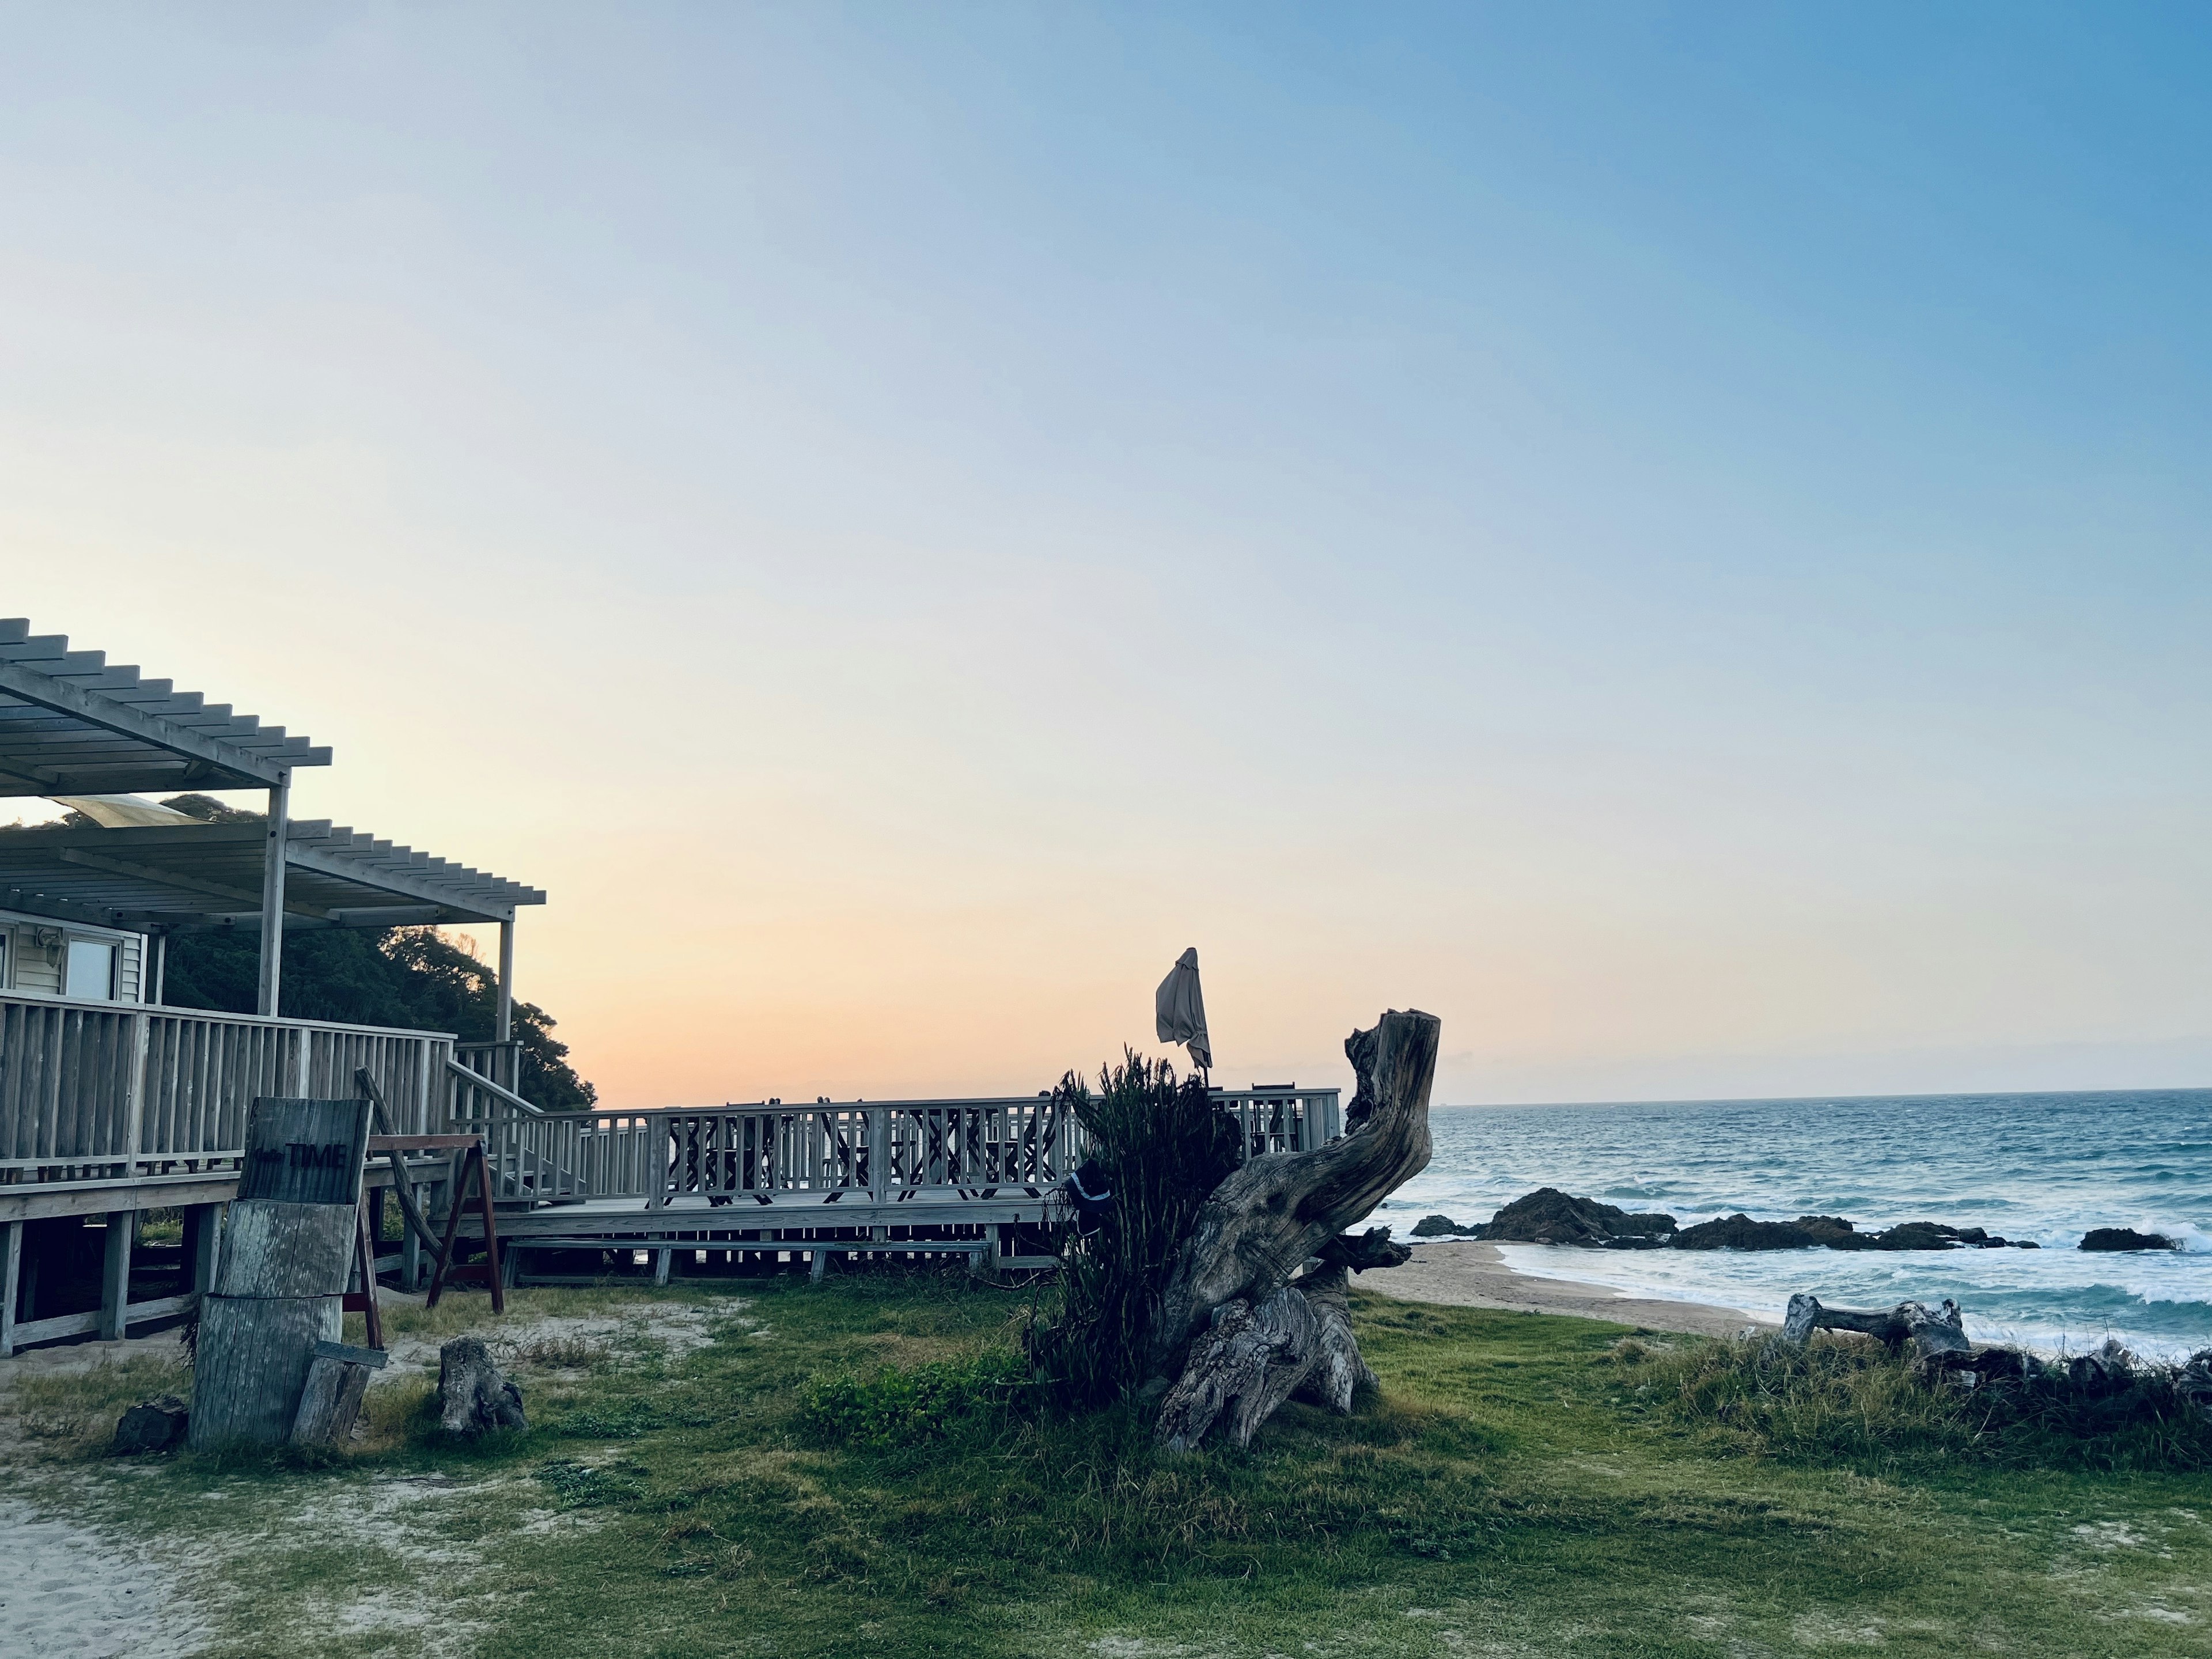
(471, 1163)
(490, 1231)
(365, 1259)
(504, 1026)
(821, 1265)
(157, 974)
(11, 1274)
(663, 1260)
(272, 895)
(115, 1276)
(411, 1242)
(203, 1225)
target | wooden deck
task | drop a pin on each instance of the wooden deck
(110, 1109)
(978, 1176)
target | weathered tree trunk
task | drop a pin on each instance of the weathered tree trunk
(1933, 1334)
(278, 1291)
(253, 1362)
(1243, 1335)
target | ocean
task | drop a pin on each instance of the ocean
(2041, 1167)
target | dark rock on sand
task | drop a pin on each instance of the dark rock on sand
(1548, 1216)
(2125, 1238)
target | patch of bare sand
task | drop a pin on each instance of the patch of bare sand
(69, 1590)
(674, 1327)
(1474, 1275)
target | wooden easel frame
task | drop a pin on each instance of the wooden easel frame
(470, 1165)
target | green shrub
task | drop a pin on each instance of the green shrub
(1162, 1146)
(1843, 1399)
(907, 1407)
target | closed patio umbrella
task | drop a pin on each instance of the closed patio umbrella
(1182, 1010)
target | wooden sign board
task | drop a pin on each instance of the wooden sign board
(304, 1151)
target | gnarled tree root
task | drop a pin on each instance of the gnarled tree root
(1246, 1333)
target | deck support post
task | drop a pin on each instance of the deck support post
(505, 1027)
(157, 973)
(11, 1274)
(203, 1225)
(272, 894)
(819, 1267)
(663, 1260)
(115, 1275)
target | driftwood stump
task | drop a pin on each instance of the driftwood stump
(474, 1395)
(1239, 1324)
(1933, 1334)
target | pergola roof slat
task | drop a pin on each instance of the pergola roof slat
(72, 723)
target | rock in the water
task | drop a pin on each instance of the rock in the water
(1443, 1226)
(2125, 1238)
(1740, 1232)
(1548, 1216)
(474, 1395)
(151, 1426)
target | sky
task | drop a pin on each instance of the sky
(1673, 537)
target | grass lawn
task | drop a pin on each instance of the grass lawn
(1517, 1487)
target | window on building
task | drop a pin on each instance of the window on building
(91, 971)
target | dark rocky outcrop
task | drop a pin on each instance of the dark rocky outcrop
(1443, 1226)
(151, 1426)
(2125, 1238)
(1740, 1232)
(1548, 1216)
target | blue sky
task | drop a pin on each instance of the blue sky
(1672, 537)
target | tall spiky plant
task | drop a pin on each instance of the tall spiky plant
(1161, 1147)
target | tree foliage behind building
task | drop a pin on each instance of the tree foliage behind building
(412, 978)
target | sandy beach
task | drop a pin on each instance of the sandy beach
(1472, 1275)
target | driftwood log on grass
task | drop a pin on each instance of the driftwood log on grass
(1932, 1333)
(1242, 1330)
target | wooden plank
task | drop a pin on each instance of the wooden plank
(277, 1249)
(24, 1202)
(11, 1281)
(252, 1361)
(305, 1151)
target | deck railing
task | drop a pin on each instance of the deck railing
(880, 1151)
(104, 1089)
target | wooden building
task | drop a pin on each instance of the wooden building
(112, 1103)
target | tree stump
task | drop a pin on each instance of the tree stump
(474, 1395)
(1243, 1331)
